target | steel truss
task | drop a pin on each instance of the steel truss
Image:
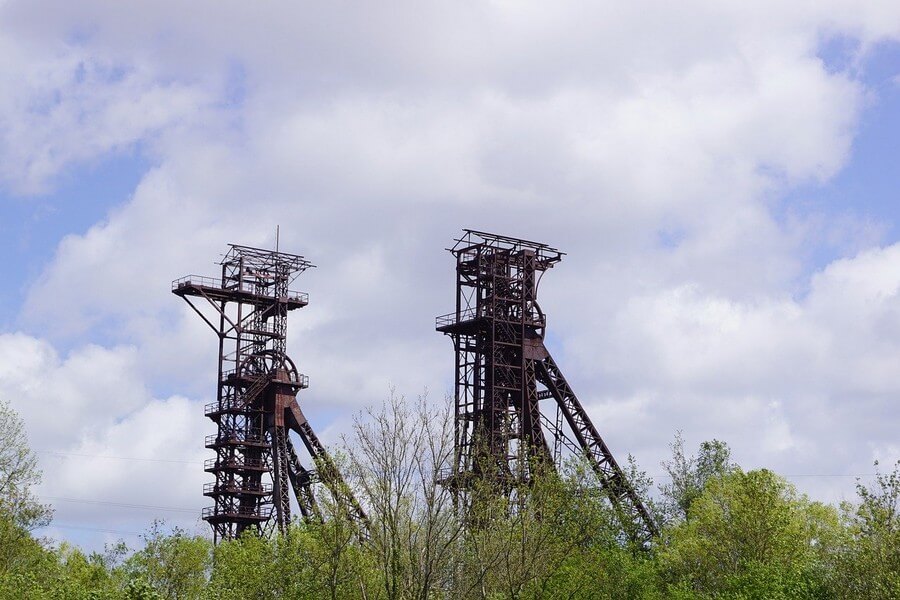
(504, 371)
(256, 464)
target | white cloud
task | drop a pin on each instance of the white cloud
(152, 456)
(807, 384)
(65, 107)
(648, 141)
(63, 399)
(102, 440)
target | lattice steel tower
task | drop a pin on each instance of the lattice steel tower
(256, 465)
(504, 371)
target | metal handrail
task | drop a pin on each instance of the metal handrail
(302, 380)
(445, 473)
(259, 488)
(467, 314)
(196, 280)
(212, 282)
(231, 373)
(236, 437)
(267, 328)
(228, 405)
(470, 314)
(299, 296)
(261, 512)
(224, 406)
(233, 462)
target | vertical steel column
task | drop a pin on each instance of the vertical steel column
(256, 467)
(498, 328)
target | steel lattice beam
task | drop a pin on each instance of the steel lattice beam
(497, 331)
(256, 466)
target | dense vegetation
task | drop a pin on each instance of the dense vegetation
(726, 533)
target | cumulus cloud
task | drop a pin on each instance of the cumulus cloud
(106, 446)
(806, 383)
(63, 106)
(653, 143)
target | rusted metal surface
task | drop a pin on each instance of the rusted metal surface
(256, 466)
(504, 371)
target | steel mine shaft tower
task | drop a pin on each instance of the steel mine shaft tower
(504, 371)
(256, 464)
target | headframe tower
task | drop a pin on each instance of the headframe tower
(504, 371)
(256, 464)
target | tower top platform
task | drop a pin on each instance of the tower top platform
(266, 260)
(473, 239)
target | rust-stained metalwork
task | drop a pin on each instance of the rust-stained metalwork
(256, 465)
(504, 371)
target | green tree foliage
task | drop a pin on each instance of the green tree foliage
(688, 475)
(65, 572)
(396, 457)
(174, 564)
(750, 535)
(725, 533)
(20, 512)
(298, 565)
(566, 542)
(868, 564)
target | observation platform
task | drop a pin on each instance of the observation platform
(233, 489)
(463, 322)
(230, 406)
(470, 321)
(236, 439)
(235, 464)
(213, 289)
(237, 514)
(235, 378)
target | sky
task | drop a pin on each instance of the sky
(722, 176)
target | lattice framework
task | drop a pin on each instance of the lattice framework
(504, 371)
(256, 464)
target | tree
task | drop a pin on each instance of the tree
(689, 475)
(516, 544)
(560, 538)
(868, 565)
(344, 568)
(298, 565)
(94, 576)
(243, 569)
(175, 564)
(396, 457)
(20, 512)
(751, 533)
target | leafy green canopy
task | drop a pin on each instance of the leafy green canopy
(726, 533)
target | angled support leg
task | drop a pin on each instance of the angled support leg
(636, 518)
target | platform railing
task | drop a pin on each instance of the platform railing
(237, 437)
(298, 296)
(236, 463)
(263, 512)
(212, 282)
(200, 280)
(454, 317)
(470, 314)
(301, 380)
(228, 405)
(236, 488)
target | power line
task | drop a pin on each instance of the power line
(163, 460)
(188, 462)
(123, 504)
(101, 530)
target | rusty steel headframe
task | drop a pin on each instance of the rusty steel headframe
(504, 371)
(256, 464)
